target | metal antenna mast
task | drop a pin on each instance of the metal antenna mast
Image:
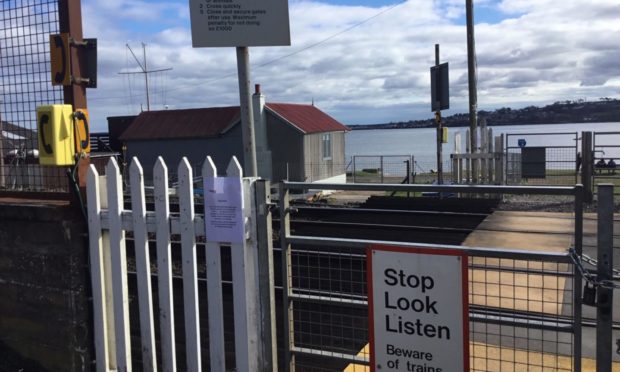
(144, 71)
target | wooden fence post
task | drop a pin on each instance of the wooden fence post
(190, 270)
(499, 160)
(119, 266)
(214, 285)
(164, 266)
(143, 266)
(97, 271)
(268, 345)
(245, 283)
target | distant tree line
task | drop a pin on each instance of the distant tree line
(561, 112)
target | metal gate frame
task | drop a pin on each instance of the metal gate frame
(287, 240)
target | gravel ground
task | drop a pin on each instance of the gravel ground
(546, 203)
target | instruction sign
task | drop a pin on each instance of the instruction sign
(224, 210)
(418, 309)
(239, 23)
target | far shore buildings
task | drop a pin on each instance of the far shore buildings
(297, 142)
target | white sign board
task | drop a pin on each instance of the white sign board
(224, 222)
(418, 309)
(239, 23)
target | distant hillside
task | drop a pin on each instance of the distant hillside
(580, 111)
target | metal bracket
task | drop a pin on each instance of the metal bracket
(80, 80)
(88, 43)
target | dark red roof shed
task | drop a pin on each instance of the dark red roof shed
(186, 123)
(306, 118)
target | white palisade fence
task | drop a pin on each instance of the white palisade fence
(108, 221)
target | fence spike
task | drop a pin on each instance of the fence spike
(208, 168)
(234, 168)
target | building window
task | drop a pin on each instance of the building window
(327, 146)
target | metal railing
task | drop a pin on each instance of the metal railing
(606, 159)
(558, 166)
(381, 168)
(525, 306)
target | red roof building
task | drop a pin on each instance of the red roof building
(293, 141)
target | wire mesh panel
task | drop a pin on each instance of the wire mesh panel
(521, 315)
(330, 312)
(555, 162)
(25, 83)
(521, 312)
(380, 169)
(606, 159)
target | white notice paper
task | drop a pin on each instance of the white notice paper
(233, 23)
(224, 210)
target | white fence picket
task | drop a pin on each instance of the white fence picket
(97, 270)
(214, 287)
(242, 268)
(119, 267)
(164, 266)
(190, 270)
(109, 271)
(143, 266)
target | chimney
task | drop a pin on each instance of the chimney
(260, 126)
(263, 155)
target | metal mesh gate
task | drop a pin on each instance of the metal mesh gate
(25, 83)
(524, 306)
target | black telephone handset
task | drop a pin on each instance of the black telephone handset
(83, 142)
(60, 76)
(46, 146)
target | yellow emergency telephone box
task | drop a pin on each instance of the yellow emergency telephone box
(56, 135)
(444, 135)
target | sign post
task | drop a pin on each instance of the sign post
(440, 100)
(240, 24)
(418, 309)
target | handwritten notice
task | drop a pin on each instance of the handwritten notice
(224, 210)
(230, 23)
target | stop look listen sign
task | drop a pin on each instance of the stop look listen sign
(418, 309)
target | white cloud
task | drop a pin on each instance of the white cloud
(542, 51)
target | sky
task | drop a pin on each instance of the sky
(361, 61)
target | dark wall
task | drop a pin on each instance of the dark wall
(44, 287)
(116, 127)
(221, 149)
(286, 145)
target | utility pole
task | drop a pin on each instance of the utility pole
(144, 71)
(439, 131)
(70, 21)
(473, 89)
(250, 168)
(1, 150)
